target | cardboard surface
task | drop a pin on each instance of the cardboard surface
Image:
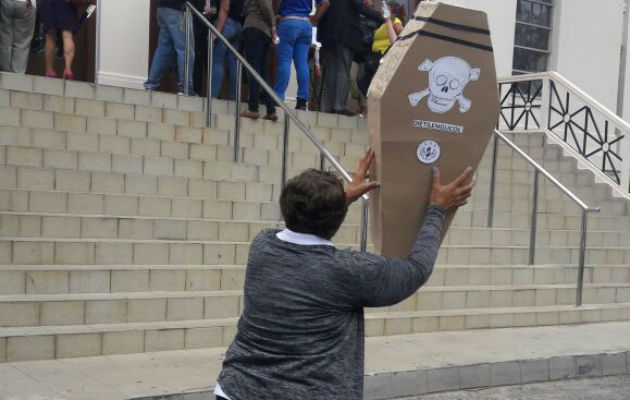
(433, 102)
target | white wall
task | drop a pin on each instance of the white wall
(626, 101)
(587, 44)
(502, 20)
(123, 52)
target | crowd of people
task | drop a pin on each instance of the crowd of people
(333, 63)
(59, 21)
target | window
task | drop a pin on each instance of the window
(531, 40)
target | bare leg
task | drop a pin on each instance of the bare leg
(49, 50)
(68, 48)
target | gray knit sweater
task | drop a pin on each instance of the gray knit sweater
(301, 334)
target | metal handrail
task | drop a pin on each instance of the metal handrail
(539, 170)
(288, 114)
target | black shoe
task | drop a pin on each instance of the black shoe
(301, 105)
(345, 112)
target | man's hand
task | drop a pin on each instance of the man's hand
(359, 186)
(452, 195)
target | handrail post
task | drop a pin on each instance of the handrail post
(210, 60)
(493, 173)
(187, 21)
(545, 106)
(534, 220)
(364, 224)
(237, 115)
(285, 148)
(322, 161)
(625, 163)
(580, 282)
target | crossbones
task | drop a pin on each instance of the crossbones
(448, 77)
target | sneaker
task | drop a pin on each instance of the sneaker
(301, 105)
(271, 117)
(250, 114)
(68, 75)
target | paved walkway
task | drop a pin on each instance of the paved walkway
(395, 366)
(607, 388)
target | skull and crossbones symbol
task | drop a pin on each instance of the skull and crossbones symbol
(448, 77)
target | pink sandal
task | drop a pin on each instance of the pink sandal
(51, 74)
(68, 75)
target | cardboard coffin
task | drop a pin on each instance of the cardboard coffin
(433, 102)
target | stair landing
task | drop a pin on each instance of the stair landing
(396, 366)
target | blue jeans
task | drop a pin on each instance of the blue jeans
(172, 40)
(295, 40)
(231, 31)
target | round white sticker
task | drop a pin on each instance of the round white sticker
(429, 151)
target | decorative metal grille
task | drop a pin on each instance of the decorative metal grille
(588, 133)
(521, 105)
(547, 102)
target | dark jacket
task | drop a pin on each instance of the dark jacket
(301, 335)
(259, 14)
(341, 23)
(174, 4)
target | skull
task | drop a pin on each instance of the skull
(448, 77)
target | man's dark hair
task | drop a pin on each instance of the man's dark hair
(314, 202)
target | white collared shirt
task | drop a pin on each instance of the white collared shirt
(32, 1)
(302, 239)
(219, 392)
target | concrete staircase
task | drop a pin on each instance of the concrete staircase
(124, 227)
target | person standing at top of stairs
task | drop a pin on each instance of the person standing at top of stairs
(301, 334)
(59, 15)
(296, 35)
(259, 32)
(227, 16)
(172, 39)
(17, 23)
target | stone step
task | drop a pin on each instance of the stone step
(473, 275)
(54, 225)
(104, 166)
(155, 306)
(62, 180)
(135, 251)
(50, 342)
(401, 323)
(101, 308)
(114, 205)
(90, 227)
(521, 220)
(53, 342)
(59, 279)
